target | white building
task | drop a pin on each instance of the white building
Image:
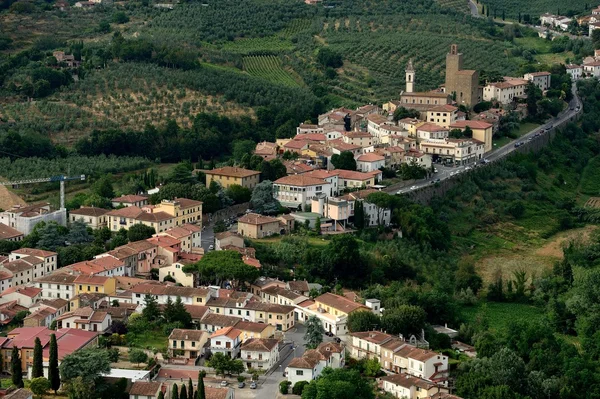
(376, 125)
(506, 91)
(410, 387)
(370, 162)
(305, 128)
(57, 285)
(24, 218)
(297, 190)
(310, 365)
(540, 79)
(592, 69)
(226, 340)
(432, 131)
(260, 353)
(85, 319)
(49, 259)
(442, 115)
(576, 71)
(458, 151)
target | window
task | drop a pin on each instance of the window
(174, 344)
(193, 343)
(218, 343)
(299, 372)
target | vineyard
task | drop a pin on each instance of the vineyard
(269, 67)
(512, 8)
(458, 5)
(271, 44)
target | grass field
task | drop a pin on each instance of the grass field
(150, 340)
(269, 67)
(524, 128)
(499, 314)
(590, 179)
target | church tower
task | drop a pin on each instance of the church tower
(454, 63)
(410, 77)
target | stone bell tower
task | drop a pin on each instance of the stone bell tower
(410, 77)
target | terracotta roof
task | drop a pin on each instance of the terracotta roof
(30, 292)
(89, 211)
(376, 118)
(444, 108)
(472, 124)
(127, 212)
(353, 175)
(360, 194)
(260, 344)
(91, 279)
(185, 203)
(181, 231)
(174, 291)
(4, 274)
(232, 171)
(229, 332)
(225, 234)
(310, 137)
(187, 335)
(57, 278)
(408, 381)
(370, 157)
(309, 360)
(251, 326)
(296, 144)
(154, 217)
(256, 219)
(308, 126)
(34, 252)
(7, 232)
(216, 393)
(55, 303)
(129, 199)
(220, 320)
(300, 285)
(443, 395)
(164, 241)
(19, 265)
(330, 347)
(145, 388)
(341, 146)
(269, 307)
(426, 94)
(539, 73)
(339, 302)
(376, 337)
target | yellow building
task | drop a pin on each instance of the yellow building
(253, 225)
(254, 330)
(94, 285)
(482, 131)
(182, 209)
(175, 271)
(443, 115)
(124, 218)
(230, 175)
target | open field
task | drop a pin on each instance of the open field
(499, 314)
(269, 67)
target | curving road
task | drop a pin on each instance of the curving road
(474, 10)
(572, 109)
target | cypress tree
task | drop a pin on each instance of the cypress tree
(503, 15)
(53, 372)
(175, 393)
(161, 395)
(183, 394)
(16, 368)
(200, 393)
(190, 388)
(519, 17)
(38, 365)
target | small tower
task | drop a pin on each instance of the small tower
(410, 77)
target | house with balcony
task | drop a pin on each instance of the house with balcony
(85, 319)
(297, 190)
(410, 387)
(189, 236)
(92, 217)
(310, 365)
(49, 260)
(331, 309)
(227, 341)
(188, 344)
(260, 353)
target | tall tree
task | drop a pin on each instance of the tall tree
(38, 365)
(183, 394)
(175, 392)
(103, 187)
(314, 332)
(262, 200)
(345, 160)
(190, 388)
(139, 232)
(151, 310)
(363, 321)
(359, 215)
(16, 368)
(180, 313)
(88, 364)
(161, 395)
(53, 372)
(201, 392)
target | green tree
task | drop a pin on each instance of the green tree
(372, 367)
(191, 388)
(404, 319)
(201, 392)
(175, 392)
(329, 58)
(88, 364)
(53, 371)
(596, 38)
(180, 314)
(120, 17)
(220, 362)
(37, 369)
(103, 187)
(299, 387)
(104, 27)
(262, 200)
(52, 236)
(314, 332)
(183, 394)
(218, 266)
(151, 311)
(78, 233)
(345, 160)
(16, 368)
(241, 148)
(239, 194)
(338, 384)
(181, 173)
(137, 356)
(359, 215)
(318, 225)
(401, 113)
(161, 395)
(139, 232)
(39, 386)
(284, 387)
(363, 321)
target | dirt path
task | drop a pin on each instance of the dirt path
(8, 199)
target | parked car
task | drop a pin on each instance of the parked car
(224, 383)
(329, 333)
(211, 247)
(413, 188)
(241, 384)
(253, 385)
(337, 340)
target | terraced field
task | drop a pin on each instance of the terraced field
(269, 67)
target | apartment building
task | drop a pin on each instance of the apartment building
(188, 344)
(260, 353)
(297, 190)
(229, 175)
(332, 310)
(310, 365)
(93, 217)
(49, 259)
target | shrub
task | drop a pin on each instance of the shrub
(284, 387)
(299, 387)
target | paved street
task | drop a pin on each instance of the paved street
(208, 237)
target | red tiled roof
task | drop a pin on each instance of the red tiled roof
(300, 180)
(30, 292)
(232, 172)
(472, 124)
(145, 388)
(229, 332)
(260, 344)
(370, 157)
(89, 211)
(7, 232)
(339, 302)
(34, 252)
(353, 175)
(310, 137)
(129, 199)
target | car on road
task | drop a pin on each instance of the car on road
(413, 188)
(329, 333)
(468, 168)
(337, 340)
(572, 109)
(253, 385)
(211, 247)
(435, 170)
(241, 384)
(224, 383)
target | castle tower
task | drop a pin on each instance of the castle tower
(410, 77)
(454, 63)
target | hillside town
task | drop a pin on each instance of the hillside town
(260, 323)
